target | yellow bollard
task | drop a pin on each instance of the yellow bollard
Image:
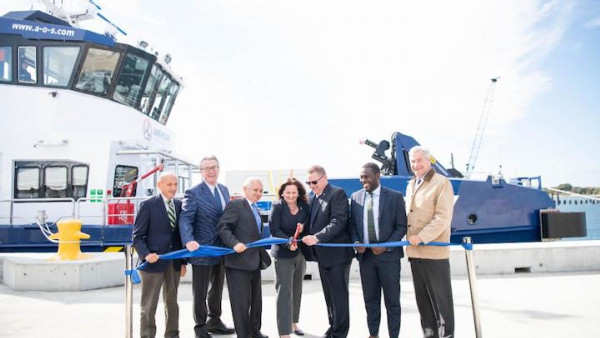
(69, 235)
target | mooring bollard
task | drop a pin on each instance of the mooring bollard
(473, 287)
(128, 292)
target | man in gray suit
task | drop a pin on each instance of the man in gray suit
(202, 207)
(377, 215)
(241, 223)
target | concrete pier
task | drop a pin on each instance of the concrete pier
(35, 272)
(38, 272)
(549, 305)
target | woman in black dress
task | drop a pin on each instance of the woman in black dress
(287, 214)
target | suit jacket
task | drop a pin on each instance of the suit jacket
(429, 210)
(392, 221)
(283, 225)
(152, 233)
(199, 219)
(328, 220)
(238, 224)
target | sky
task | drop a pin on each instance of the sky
(287, 84)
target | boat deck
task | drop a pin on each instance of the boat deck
(518, 305)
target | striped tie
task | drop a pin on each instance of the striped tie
(171, 212)
(371, 220)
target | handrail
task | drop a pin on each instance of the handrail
(12, 201)
(128, 199)
(574, 194)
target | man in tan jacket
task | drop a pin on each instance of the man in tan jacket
(429, 206)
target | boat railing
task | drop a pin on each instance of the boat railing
(534, 182)
(13, 202)
(119, 215)
(114, 210)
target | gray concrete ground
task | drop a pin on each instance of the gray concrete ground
(527, 305)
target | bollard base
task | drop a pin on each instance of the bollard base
(38, 272)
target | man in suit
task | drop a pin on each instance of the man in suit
(430, 203)
(155, 233)
(377, 215)
(202, 207)
(241, 223)
(327, 223)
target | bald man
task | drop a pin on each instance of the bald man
(240, 224)
(155, 233)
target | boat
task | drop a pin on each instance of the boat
(493, 210)
(83, 129)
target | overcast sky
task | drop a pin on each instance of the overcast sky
(286, 84)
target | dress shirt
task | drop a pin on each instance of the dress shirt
(166, 203)
(212, 190)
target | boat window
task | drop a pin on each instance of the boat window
(124, 175)
(28, 183)
(55, 182)
(79, 179)
(58, 63)
(27, 64)
(97, 71)
(5, 64)
(160, 98)
(170, 99)
(156, 76)
(129, 87)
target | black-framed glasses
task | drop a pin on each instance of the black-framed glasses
(314, 182)
(207, 169)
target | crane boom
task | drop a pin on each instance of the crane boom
(483, 118)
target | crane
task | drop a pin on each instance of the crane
(485, 113)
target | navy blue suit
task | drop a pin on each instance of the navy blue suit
(198, 222)
(328, 221)
(381, 272)
(152, 232)
(199, 218)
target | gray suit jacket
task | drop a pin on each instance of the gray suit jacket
(392, 221)
(239, 225)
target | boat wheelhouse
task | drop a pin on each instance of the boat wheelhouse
(83, 116)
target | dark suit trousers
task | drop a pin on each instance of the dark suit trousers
(433, 291)
(335, 282)
(245, 295)
(202, 277)
(151, 285)
(376, 276)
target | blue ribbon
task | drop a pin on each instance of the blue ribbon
(466, 246)
(215, 251)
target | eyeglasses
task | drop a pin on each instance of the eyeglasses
(314, 182)
(207, 169)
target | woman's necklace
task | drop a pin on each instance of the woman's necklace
(293, 208)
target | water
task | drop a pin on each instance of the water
(592, 215)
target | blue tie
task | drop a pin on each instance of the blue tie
(257, 217)
(218, 199)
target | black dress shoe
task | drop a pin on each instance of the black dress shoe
(259, 335)
(218, 327)
(299, 332)
(204, 335)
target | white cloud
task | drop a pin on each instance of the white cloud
(595, 22)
